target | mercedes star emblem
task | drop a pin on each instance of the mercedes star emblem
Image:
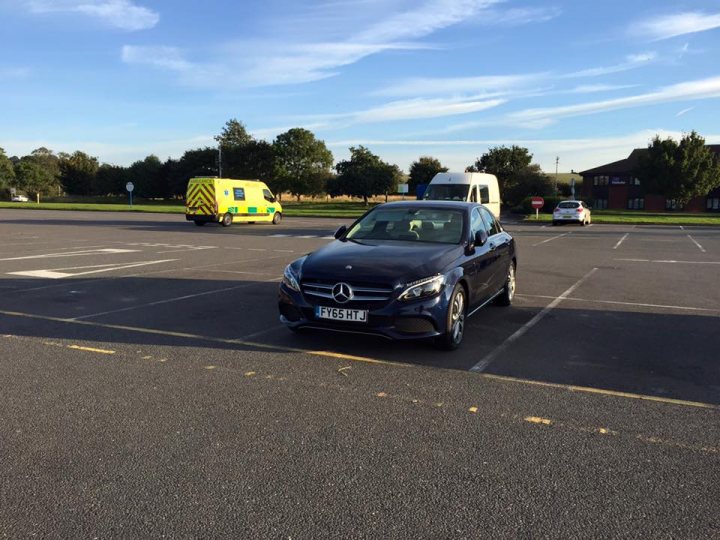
(342, 293)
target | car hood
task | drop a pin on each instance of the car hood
(378, 261)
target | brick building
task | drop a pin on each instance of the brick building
(615, 186)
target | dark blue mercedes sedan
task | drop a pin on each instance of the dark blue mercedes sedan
(404, 270)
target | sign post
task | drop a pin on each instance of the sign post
(403, 188)
(537, 203)
(130, 186)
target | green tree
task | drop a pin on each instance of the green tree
(300, 161)
(507, 163)
(146, 176)
(34, 179)
(234, 134)
(77, 173)
(423, 170)
(529, 182)
(7, 171)
(364, 175)
(679, 171)
(197, 162)
(111, 180)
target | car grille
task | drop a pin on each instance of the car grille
(361, 292)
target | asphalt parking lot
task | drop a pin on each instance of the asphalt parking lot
(148, 388)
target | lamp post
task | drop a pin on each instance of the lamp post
(557, 162)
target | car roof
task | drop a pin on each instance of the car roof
(450, 205)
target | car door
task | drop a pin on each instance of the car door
(480, 269)
(498, 248)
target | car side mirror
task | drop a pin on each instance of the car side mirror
(273, 199)
(342, 230)
(481, 238)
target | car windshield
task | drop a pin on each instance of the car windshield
(434, 225)
(569, 205)
(447, 192)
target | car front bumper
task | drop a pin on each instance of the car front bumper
(418, 319)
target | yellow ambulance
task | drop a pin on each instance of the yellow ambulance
(223, 200)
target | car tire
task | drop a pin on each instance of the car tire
(554, 223)
(277, 218)
(227, 220)
(199, 223)
(505, 298)
(455, 320)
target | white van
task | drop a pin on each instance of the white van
(470, 187)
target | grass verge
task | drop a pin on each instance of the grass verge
(290, 209)
(641, 218)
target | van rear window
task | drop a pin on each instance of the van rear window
(239, 193)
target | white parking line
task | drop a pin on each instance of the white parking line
(83, 253)
(696, 243)
(630, 304)
(58, 273)
(551, 239)
(169, 300)
(668, 261)
(621, 240)
(483, 364)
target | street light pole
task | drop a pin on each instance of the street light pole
(220, 160)
(557, 162)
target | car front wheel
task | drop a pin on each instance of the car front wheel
(455, 322)
(277, 218)
(508, 293)
(227, 220)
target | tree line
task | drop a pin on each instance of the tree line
(298, 163)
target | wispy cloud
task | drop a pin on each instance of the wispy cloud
(301, 60)
(632, 61)
(122, 14)
(163, 57)
(684, 112)
(596, 88)
(691, 90)
(413, 109)
(519, 16)
(490, 85)
(676, 24)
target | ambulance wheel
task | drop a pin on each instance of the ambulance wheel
(277, 218)
(199, 223)
(251, 223)
(226, 220)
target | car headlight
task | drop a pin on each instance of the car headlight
(423, 288)
(289, 279)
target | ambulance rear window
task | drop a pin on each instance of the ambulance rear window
(239, 193)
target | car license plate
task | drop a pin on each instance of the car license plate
(568, 217)
(341, 314)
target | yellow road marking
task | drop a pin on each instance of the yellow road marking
(538, 420)
(90, 349)
(473, 410)
(341, 356)
(381, 394)
(210, 367)
(250, 373)
(186, 335)
(600, 391)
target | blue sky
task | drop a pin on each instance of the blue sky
(582, 80)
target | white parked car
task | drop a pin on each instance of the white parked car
(572, 212)
(19, 198)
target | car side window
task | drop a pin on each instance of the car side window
(476, 223)
(239, 193)
(268, 196)
(484, 194)
(491, 225)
